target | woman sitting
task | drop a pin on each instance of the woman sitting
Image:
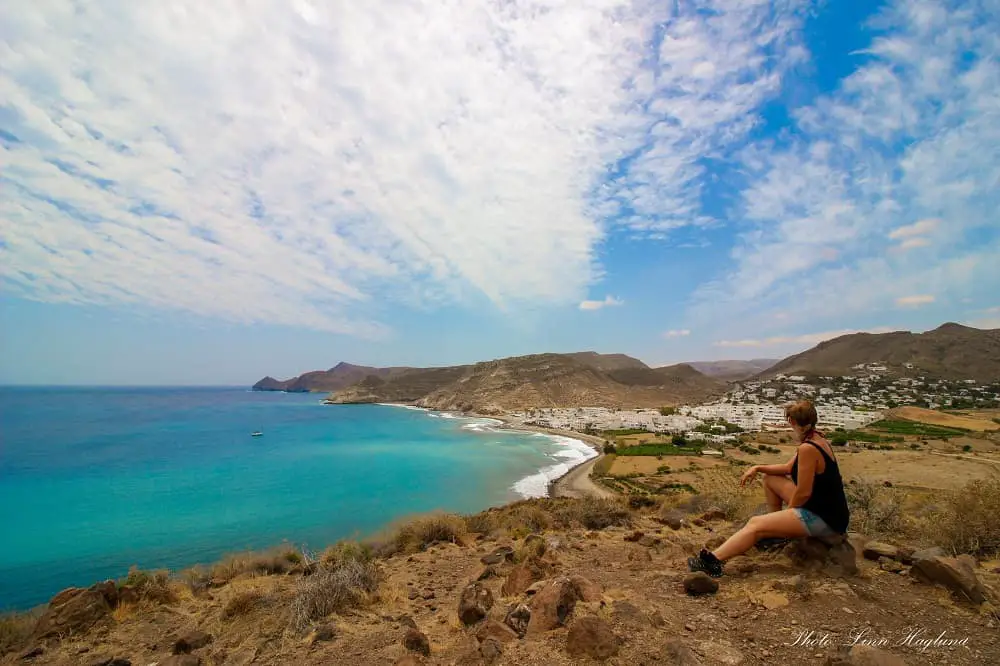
(809, 485)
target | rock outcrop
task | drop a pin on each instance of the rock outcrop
(76, 610)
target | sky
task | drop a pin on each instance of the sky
(209, 192)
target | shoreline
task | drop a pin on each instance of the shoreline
(575, 482)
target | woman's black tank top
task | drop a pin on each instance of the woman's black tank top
(828, 500)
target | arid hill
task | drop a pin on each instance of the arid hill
(339, 376)
(733, 370)
(539, 380)
(950, 351)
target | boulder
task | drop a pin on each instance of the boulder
(519, 579)
(517, 619)
(673, 521)
(954, 573)
(415, 640)
(863, 655)
(474, 604)
(586, 590)
(873, 550)
(191, 640)
(499, 555)
(490, 651)
(590, 636)
(926, 554)
(498, 631)
(75, 610)
(699, 582)
(127, 594)
(552, 606)
(634, 536)
(109, 661)
(32, 652)
(813, 553)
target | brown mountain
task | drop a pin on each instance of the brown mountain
(539, 380)
(733, 370)
(606, 362)
(951, 351)
(339, 376)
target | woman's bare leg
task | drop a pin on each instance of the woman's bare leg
(785, 523)
(778, 490)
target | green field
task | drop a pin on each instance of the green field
(914, 428)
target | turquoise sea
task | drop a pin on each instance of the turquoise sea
(93, 480)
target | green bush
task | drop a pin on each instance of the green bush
(971, 520)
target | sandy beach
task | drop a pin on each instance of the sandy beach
(576, 482)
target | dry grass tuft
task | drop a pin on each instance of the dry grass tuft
(346, 551)
(971, 519)
(281, 560)
(150, 586)
(334, 588)
(125, 612)
(242, 603)
(418, 533)
(593, 513)
(517, 519)
(16, 628)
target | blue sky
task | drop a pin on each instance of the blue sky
(205, 193)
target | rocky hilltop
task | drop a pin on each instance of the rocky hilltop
(733, 370)
(951, 351)
(539, 380)
(541, 582)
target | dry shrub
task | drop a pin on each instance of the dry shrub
(530, 551)
(196, 578)
(345, 551)
(517, 519)
(593, 513)
(970, 520)
(124, 612)
(418, 533)
(280, 560)
(333, 588)
(875, 510)
(242, 603)
(152, 586)
(16, 628)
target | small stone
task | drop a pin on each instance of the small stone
(699, 522)
(714, 514)
(31, 653)
(874, 550)
(592, 637)
(415, 640)
(427, 594)
(190, 641)
(499, 555)
(699, 583)
(862, 655)
(180, 660)
(634, 536)
(412, 594)
(890, 565)
(475, 602)
(323, 633)
(551, 607)
(689, 627)
(518, 618)
(498, 631)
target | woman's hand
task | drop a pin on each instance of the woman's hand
(749, 475)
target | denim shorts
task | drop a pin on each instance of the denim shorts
(815, 526)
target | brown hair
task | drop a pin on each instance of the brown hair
(803, 414)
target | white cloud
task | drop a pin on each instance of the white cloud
(597, 305)
(677, 333)
(805, 340)
(914, 301)
(306, 163)
(920, 228)
(903, 138)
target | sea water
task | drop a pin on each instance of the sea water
(94, 480)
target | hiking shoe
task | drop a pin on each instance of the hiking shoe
(706, 562)
(772, 543)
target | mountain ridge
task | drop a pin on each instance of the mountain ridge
(950, 351)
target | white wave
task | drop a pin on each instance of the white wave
(396, 404)
(537, 485)
(573, 451)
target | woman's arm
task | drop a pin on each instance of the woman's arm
(772, 470)
(808, 459)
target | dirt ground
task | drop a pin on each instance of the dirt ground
(933, 417)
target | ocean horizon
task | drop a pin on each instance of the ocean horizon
(97, 479)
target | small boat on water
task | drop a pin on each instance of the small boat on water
(257, 433)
